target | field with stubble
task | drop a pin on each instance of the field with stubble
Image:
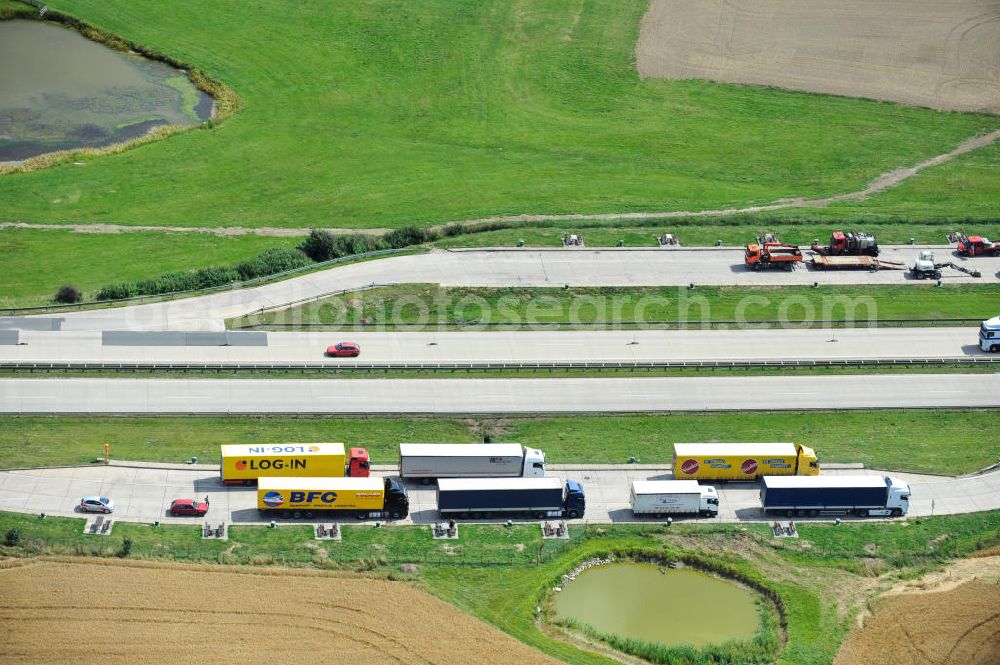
(947, 618)
(943, 55)
(110, 612)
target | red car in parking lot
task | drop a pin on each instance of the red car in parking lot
(344, 350)
(189, 507)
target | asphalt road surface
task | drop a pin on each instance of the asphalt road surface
(524, 346)
(143, 494)
(511, 267)
(460, 396)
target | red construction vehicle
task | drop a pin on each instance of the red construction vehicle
(848, 244)
(768, 252)
(974, 245)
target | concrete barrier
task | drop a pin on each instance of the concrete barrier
(161, 338)
(24, 323)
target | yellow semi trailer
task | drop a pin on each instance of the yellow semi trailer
(742, 461)
(244, 464)
(305, 497)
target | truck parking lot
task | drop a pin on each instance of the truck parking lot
(142, 493)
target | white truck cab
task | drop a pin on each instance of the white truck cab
(898, 499)
(709, 501)
(989, 335)
(534, 463)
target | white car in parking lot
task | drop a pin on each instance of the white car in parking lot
(96, 504)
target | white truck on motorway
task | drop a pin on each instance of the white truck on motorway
(989, 335)
(673, 497)
(851, 495)
(429, 461)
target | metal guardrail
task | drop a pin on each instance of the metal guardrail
(679, 325)
(495, 367)
(99, 304)
(302, 301)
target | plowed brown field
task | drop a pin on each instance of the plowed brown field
(944, 54)
(939, 620)
(66, 613)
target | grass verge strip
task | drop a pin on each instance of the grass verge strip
(917, 440)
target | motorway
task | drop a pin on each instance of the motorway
(474, 395)
(523, 346)
(511, 268)
(142, 494)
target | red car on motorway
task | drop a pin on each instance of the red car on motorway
(344, 350)
(189, 507)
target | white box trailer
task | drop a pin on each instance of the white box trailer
(673, 497)
(429, 461)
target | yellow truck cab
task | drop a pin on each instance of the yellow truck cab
(742, 461)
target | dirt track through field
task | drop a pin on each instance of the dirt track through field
(879, 184)
(107, 612)
(943, 54)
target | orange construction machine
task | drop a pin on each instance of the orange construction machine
(768, 252)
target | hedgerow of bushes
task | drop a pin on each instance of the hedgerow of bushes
(319, 246)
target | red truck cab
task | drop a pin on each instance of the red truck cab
(358, 464)
(838, 242)
(977, 246)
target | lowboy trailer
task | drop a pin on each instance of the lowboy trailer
(824, 262)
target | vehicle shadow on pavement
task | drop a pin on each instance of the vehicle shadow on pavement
(755, 514)
(253, 515)
(622, 515)
(425, 516)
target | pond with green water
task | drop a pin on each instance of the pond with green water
(667, 606)
(59, 90)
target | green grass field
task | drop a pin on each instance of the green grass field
(966, 187)
(935, 441)
(36, 262)
(433, 306)
(380, 113)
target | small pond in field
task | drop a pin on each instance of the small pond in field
(59, 90)
(667, 606)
